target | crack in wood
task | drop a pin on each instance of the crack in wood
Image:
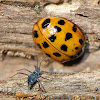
(17, 43)
(17, 3)
(16, 53)
(81, 15)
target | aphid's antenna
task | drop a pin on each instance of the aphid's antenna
(42, 61)
(36, 55)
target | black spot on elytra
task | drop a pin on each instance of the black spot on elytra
(61, 22)
(46, 23)
(35, 34)
(45, 45)
(48, 55)
(81, 41)
(64, 47)
(77, 55)
(52, 38)
(58, 29)
(38, 45)
(56, 54)
(72, 57)
(76, 48)
(68, 36)
(74, 28)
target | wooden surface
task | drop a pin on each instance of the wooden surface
(17, 49)
(57, 85)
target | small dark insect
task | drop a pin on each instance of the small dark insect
(33, 79)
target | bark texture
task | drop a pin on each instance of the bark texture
(57, 85)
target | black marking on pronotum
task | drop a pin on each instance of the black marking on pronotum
(81, 41)
(45, 45)
(52, 38)
(35, 34)
(68, 36)
(61, 22)
(64, 47)
(46, 23)
(38, 45)
(56, 54)
(74, 28)
(58, 29)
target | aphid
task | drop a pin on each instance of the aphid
(33, 78)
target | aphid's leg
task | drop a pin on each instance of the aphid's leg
(35, 66)
(42, 72)
(19, 73)
(44, 78)
(40, 85)
(24, 69)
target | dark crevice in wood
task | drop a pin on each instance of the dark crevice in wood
(99, 2)
(17, 3)
(7, 94)
(58, 3)
(25, 33)
(17, 43)
(16, 53)
(15, 32)
(81, 15)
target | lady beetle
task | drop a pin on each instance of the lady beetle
(58, 38)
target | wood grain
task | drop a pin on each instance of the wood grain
(17, 18)
(57, 85)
